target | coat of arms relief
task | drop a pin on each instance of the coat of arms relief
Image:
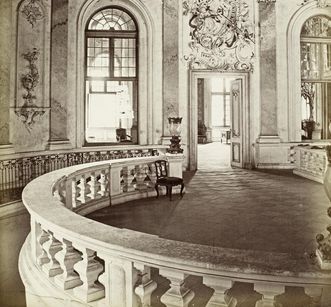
(222, 34)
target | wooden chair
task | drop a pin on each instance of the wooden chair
(162, 179)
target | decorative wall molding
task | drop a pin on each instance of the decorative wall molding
(33, 12)
(319, 3)
(29, 112)
(222, 34)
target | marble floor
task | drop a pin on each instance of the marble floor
(245, 209)
(270, 210)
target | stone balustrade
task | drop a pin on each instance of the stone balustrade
(69, 260)
(311, 162)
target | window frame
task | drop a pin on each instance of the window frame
(112, 35)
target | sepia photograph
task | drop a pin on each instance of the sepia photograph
(165, 153)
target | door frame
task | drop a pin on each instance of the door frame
(193, 114)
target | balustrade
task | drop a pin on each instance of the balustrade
(97, 263)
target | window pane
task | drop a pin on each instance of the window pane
(111, 115)
(217, 110)
(217, 84)
(310, 60)
(112, 19)
(125, 57)
(98, 57)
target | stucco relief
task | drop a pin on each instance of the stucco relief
(29, 81)
(222, 34)
(33, 11)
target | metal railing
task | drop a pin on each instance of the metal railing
(16, 173)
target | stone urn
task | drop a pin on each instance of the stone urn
(323, 251)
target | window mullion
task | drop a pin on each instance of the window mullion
(111, 57)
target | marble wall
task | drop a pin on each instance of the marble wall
(170, 62)
(59, 41)
(5, 55)
(268, 69)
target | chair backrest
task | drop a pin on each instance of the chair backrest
(161, 168)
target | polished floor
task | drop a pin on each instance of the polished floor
(244, 209)
(272, 211)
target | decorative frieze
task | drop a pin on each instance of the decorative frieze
(222, 35)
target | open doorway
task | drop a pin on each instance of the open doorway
(214, 135)
(219, 120)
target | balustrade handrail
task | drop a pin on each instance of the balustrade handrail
(52, 217)
(19, 169)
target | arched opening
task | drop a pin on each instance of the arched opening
(111, 82)
(308, 78)
(315, 46)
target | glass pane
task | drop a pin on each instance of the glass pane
(98, 57)
(326, 58)
(111, 115)
(317, 26)
(112, 19)
(125, 57)
(227, 110)
(217, 110)
(97, 86)
(310, 60)
(217, 84)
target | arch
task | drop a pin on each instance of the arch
(294, 68)
(149, 57)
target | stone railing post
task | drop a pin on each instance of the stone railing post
(145, 285)
(88, 269)
(315, 294)
(115, 179)
(175, 164)
(269, 292)
(178, 295)
(219, 286)
(52, 246)
(67, 257)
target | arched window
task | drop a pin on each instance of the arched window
(111, 78)
(315, 42)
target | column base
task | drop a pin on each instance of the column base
(268, 139)
(7, 149)
(59, 144)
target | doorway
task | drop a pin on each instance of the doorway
(219, 122)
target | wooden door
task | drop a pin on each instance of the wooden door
(236, 110)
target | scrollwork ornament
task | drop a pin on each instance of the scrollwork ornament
(32, 12)
(222, 35)
(29, 112)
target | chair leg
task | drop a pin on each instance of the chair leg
(181, 190)
(157, 190)
(170, 193)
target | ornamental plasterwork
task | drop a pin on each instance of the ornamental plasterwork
(222, 34)
(319, 3)
(29, 81)
(32, 12)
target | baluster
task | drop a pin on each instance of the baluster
(269, 292)
(75, 192)
(52, 246)
(140, 177)
(145, 285)
(93, 186)
(83, 189)
(152, 174)
(115, 180)
(315, 294)
(103, 184)
(178, 295)
(219, 286)
(131, 178)
(88, 269)
(67, 257)
(42, 239)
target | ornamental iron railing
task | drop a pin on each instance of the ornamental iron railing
(16, 173)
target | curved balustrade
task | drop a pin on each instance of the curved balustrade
(69, 259)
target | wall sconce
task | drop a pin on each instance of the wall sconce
(175, 130)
